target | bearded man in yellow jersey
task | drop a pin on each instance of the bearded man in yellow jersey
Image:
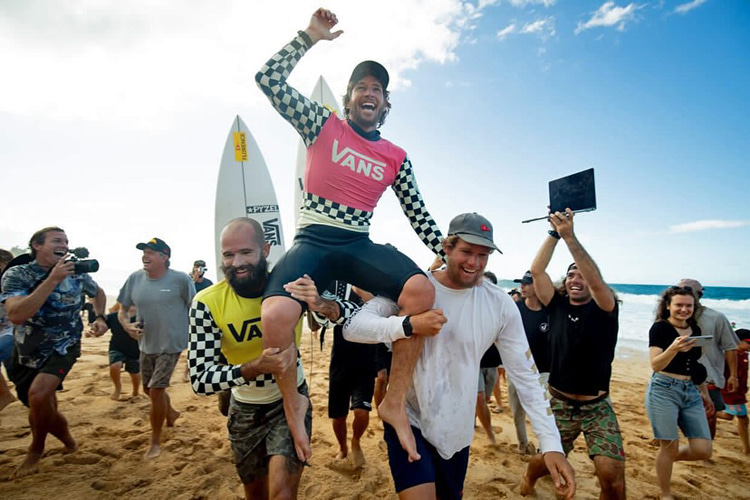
(225, 321)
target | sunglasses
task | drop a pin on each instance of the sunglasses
(686, 288)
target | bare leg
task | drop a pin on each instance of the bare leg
(417, 296)
(161, 411)
(359, 426)
(114, 374)
(742, 431)
(425, 491)
(535, 470)
(279, 315)
(340, 431)
(6, 397)
(44, 419)
(258, 489)
(665, 458)
(135, 379)
(381, 383)
(284, 474)
(483, 412)
(611, 474)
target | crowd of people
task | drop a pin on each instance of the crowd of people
(425, 345)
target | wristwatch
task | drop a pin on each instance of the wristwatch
(407, 327)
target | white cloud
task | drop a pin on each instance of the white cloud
(543, 28)
(505, 32)
(524, 3)
(141, 63)
(609, 15)
(703, 225)
(687, 7)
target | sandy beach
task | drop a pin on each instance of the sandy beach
(196, 459)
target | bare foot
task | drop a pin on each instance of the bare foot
(296, 408)
(29, 466)
(115, 396)
(527, 486)
(71, 445)
(358, 458)
(396, 418)
(6, 399)
(152, 452)
(491, 437)
(341, 455)
(172, 417)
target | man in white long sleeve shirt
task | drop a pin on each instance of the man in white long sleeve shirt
(440, 401)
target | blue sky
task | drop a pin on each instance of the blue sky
(114, 118)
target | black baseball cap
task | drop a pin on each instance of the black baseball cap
(526, 280)
(370, 68)
(156, 245)
(473, 228)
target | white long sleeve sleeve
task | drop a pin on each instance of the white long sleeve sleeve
(375, 322)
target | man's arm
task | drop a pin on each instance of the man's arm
(207, 374)
(543, 286)
(600, 291)
(377, 322)
(334, 309)
(99, 326)
(412, 204)
(19, 308)
(306, 116)
(522, 372)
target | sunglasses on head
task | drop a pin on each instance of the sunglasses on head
(686, 288)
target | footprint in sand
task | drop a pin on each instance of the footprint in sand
(82, 459)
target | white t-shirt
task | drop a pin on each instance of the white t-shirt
(441, 400)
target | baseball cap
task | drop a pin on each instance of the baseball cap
(694, 284)
(743, 333)
(156, 245)
(473, 228)
(370, 68)
(199, 263)
(526, 280)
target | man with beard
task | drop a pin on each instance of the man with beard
(583, 319)
(348, 167)
(162, 297)
(225, 320)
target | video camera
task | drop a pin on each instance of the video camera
(83, 265)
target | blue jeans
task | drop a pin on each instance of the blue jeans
(673, 403)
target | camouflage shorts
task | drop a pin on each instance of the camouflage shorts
(257, 432)
(597, 421)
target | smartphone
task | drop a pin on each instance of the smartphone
(702, 340)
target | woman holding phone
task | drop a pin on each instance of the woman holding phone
(673, 396)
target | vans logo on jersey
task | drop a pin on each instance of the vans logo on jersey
(357, 162)
(250, 328)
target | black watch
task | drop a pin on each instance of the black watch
(408, 331)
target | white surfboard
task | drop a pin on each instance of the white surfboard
(322, 94)
(244, 189)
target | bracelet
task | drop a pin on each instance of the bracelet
(306, 38)
(101, 316)
(554, 234)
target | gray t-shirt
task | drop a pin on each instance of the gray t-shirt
(714, 323)
(162, 306)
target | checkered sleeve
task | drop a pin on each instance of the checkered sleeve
(407, 191)
(306, 116)
(207, 374)
(346, 310)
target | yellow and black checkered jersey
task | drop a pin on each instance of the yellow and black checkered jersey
(222, 322)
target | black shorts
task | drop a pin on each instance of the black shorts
(57, 365)
(448, 475)
(353, 387)
(383, 358)
(328, 253)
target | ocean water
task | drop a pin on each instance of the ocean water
(638, 307)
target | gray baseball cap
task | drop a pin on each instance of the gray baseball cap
(473, 228)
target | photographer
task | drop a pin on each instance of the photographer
(44, 298)
(198, 276)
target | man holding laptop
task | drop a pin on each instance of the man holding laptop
(583, 334)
